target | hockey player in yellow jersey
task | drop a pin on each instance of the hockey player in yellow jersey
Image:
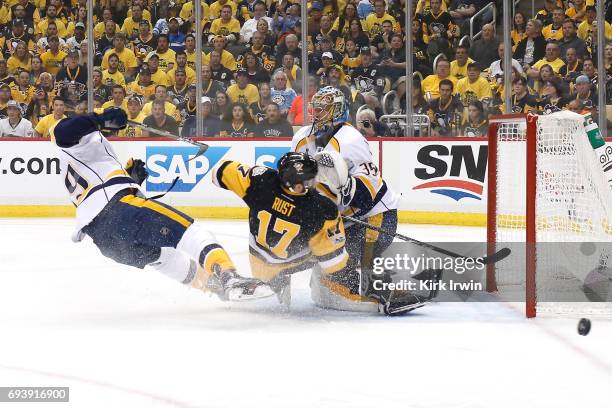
(133, 230)
(293, 227)
(364, 195)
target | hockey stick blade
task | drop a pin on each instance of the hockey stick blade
(489, 259)
(202, 146)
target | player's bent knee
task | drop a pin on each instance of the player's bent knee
(176, 265)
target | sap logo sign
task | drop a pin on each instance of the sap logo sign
(268, 156)
(164, 164)
(457, 174)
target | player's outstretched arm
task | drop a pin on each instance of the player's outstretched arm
(69, 132)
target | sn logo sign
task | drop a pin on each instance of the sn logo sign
(456, 173)
(165, 164)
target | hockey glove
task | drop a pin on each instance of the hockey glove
(136, 170)
(112, 119)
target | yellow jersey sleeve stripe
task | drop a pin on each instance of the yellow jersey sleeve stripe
(366, 182)
(120, 172)
(334, 143)
(324, 190)
(301, 144)
(158, 208)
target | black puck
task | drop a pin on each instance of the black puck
(584, 327)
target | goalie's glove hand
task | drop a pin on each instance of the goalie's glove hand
(112, 119)
(136, 170)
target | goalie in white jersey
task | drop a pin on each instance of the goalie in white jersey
(364, 195)
(131, 229)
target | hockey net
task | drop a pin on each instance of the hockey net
(549, 201)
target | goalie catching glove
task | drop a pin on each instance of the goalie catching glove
(333, 172)
(112, 119)
(136, 170)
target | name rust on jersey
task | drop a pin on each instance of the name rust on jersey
(283, 206)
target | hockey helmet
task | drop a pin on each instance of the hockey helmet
(329, 108)
(297, 168)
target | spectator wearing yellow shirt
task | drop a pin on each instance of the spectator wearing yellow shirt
(187, 14)
(45, 126)
(554, 31)
(112, 76)
(373, 22)
(431, 83)
(144, 85)
(146, 14)
(42, 44)
(161, 94)
(107, 15)
(21, 90)
(181, 62)
(167, 56)
(424, 6)
(578, 10)
(227, 59)
(20, 60)
(158, 76)
(459, 67)
(118, 101)
(53, 59)
(226, 26)
(190, 45)
(51, 17)
(585, 29)
(216, 7)
(134, 114)
(473, 86)
(242, 91)
(551, 58)
(127, 59)
(16, 35)
(131, 25)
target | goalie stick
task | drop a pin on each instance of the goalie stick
(489, 259)
(202, 146)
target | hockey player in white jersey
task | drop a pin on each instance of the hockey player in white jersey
(363, 194)
(133, 230)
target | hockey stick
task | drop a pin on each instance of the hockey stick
(202, 146)
(489, 259)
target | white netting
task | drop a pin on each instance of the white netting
(573, 205)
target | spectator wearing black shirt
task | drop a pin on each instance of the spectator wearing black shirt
(357, 34)
(72, 80)
(255, 72)
(237, 122)
(159, 120)
(533, 47)
(211, 124)
(571, 40)
(368, 79)
(445, 111)
(265, 98)
(274, 125)
(572, 68)
(439, 26)
(218, 71)
(484, 50)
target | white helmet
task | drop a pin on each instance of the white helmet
(329, 108)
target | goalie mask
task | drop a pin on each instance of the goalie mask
(297, 168)
(329, 108)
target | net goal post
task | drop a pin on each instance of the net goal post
(546, 191)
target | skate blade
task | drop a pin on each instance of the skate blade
(239, 295)
(405, 309)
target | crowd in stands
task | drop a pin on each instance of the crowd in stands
(144, 63)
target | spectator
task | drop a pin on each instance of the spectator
(295, 116)
(72, 82)
(518, 31)
(131, 25)
(25, 10)
(145, 43)
(576, 106)
(290, 46)
(42, 44)
(439, 27)
(546, 74)
(545, 15)
(118, 98)
(258, 109)
(74, 43)
(112, 75)
(36, 70)
(357, 34)
(577, 11)
(282, 95)
(293, 72)
(554, 31)
(585, 93)
(158, 119)
(431, 84)
(176, 38)
(533, 47)
(144, 86)
(237, 123)
(158, 76)
(37, 109)
(188, 107)
(5, 76)
(462, 11)
(286, 22)
(225, 26)
(181, 62)
(496, 70)
(263, 52)
(211, 124)
(167, 57)
(373, 22)
(342, 22)
(190, 45)
(368, 80)
(178, 91)
(20, 60)
(484, 50)
(419, 105)
(250, 26)
(127, 60)
(325, 30)
(134, 114)
(51, 17)
(393, 63)
(255, 72)
(572, 68)
(269, 36)
(315, 62)
(369, 126)
(313, 22)
(15, 125)
(242, 91)
(589, 69)
(53, 58)
(382, 41)
(476, 124)
(47, 123)
(226, 58)
(5, 97)
(161, 95)
(421, 62)
(551, 58)
(552, 97)
(99, 87)
(210, 87)
(522, 100)
(585, 28)
(274, 124)
(571, 40)
(444, 112)
(473, 87)
(15, 36)
(100, 29)
(459, 67)
(222, 104)
(106, 41)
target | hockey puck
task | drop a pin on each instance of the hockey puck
(584, 327)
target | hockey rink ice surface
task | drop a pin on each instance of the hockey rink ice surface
(122, 337)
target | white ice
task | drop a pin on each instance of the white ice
(122, 337)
